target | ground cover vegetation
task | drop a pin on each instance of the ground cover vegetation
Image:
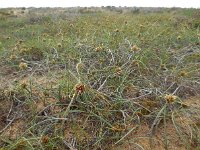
(106, 78)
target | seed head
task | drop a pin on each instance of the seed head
(45, 34)
(178, 37)
(163, 67)
(23, 85)
(99, 48)
(183, 73)
(45, 139)
(79, 66)
(59, 45)
(134, 62)
(80, 88)
(118, 70)
(135, 48)
(170, 98)
(13, 57)
(71, 25)
(23, 66)
(101, 60)
(23, 50)
(116, 30)
(20, 41)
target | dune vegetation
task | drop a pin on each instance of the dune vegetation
(103, 78)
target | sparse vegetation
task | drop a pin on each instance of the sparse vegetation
(106, 78)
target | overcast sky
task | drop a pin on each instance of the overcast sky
(83, 3)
